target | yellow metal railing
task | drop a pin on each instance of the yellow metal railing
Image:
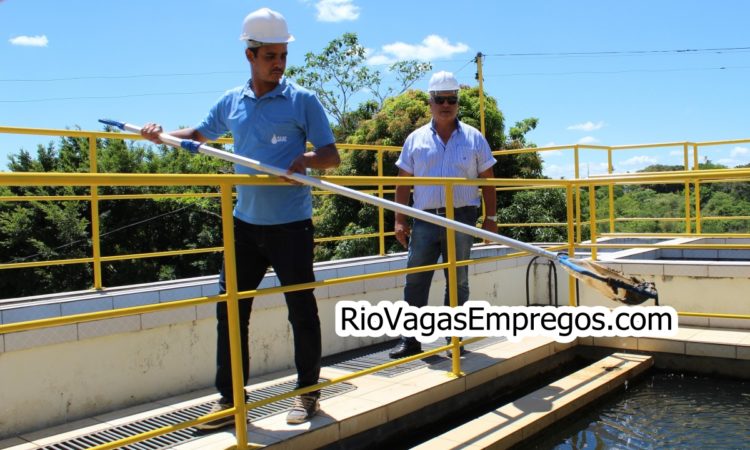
(690, 222)
(232, 296)
(225, 184)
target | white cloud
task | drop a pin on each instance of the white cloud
(593, 169)
(336, 10)
(587, 126)
(677, 153)
(588, 140)
(431, 47)
(642, 160)
(729, 162)
(379, 59)
(556, 171)
(740, 151)
(30, 41)
(552, 153)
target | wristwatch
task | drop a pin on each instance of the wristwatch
(492, 218)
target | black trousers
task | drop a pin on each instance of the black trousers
(288, 248)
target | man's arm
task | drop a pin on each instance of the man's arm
(402, 226)
(325, 157)
(151, 132)
(489, 195)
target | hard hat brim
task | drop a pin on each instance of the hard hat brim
(289, 38)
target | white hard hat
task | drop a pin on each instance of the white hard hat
(443, 81)
(266, 26)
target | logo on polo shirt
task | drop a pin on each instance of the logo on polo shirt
(276, 139)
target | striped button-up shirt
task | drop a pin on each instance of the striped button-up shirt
(466, 155)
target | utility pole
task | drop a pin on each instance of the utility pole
(480, 78)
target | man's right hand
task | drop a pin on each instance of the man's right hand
(402, 233)
(151, 132)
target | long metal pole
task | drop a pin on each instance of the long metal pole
(345, 191)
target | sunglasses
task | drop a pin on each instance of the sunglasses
(439, 99)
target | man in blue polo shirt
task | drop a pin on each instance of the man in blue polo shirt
(271, 119)
(445, 147)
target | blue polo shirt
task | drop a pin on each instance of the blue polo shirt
(272, 129)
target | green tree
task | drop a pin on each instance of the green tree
(51, 230)
(535, 206)
(340, 72)
(400, 116)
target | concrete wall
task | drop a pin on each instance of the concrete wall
(59, 374)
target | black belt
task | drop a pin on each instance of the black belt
(441, 211)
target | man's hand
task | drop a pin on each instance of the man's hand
(151, 132)
(489, 225)
(299, 165)
(402, 233)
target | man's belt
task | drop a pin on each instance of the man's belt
(441, 211)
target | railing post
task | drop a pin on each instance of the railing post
(611, 191)
(688, 226)
(230, 280)
(577, 194)
(381, 211)
(95, 227)
(698, 225)
(592, 220)
(452, 280)
(571, 241)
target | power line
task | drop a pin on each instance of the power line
(24, 258)
(627, 52)
(108, 97)
(606, 72)
(156, 75)
(464, 66)
(117, 77)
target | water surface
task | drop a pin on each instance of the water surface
(660, 411)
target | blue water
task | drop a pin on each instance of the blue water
(660, 411)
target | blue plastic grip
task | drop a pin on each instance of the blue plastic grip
(190, 145)
(114, 123)
(565, 261)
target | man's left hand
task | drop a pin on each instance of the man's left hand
(299, 165)
(489, 225)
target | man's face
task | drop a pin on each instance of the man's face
(270, 62)
(441, 107)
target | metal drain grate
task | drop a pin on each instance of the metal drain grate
(377, 354)
(183, 415)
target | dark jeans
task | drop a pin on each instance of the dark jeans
(427, 243)
(288, 248)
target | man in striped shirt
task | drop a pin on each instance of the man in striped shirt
(445, 147)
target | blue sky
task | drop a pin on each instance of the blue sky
(66, 64)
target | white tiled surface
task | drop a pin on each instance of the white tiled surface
(44, 336)
(377, 399)
(86, 306)
(30, 313)
(97, 328)
(714, 343)
(17, 444)
(161, 318)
